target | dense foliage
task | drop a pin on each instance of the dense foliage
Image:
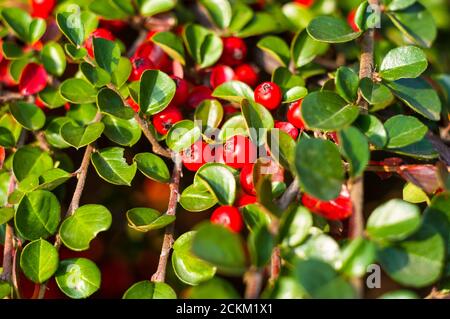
(266, 114)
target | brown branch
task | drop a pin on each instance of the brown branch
(253, 280)
(42, 142)
(289, 195)
(160, 274)
(10, 96)
(275, 265)
(157, 148)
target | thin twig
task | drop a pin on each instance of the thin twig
(275, 265)
(289, 195)
(10, 96)
(42, 142)
(157, 148)
(160, 274)
(253, 280)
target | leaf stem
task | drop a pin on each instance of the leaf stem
(253, 279)
(157, 148)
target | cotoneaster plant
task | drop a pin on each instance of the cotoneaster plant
(296, 145)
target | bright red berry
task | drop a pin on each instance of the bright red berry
(269, 95)
(182, 91)
(196, 156)
(139, 65)
(245, 199)
(237, 151)
(246, 179)
(42, 8)
(220, 74)
(234, 51)
(229, 109)
(305, 3)
(351, 20)
(164, 120)
(247, 74)
(33, 79)
(157, 55)
(98, 33)
(2, 156)
(40, 104)
(339, 208)
(133, 104)
(113, 25)
(198, 95)
(294, 114)
(288, 128)
(5, 75)
(229, 217)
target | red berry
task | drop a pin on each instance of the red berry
(98, 33)
(237, 151)
(351, 20)
(220, 74)
(40, 104)
(113, 25)
(198, 95)
(339, 208)
(33, 79)
(196, 156)
(234, 51)
(67, 106)
(229, 109)
(156, 55)
(2, 156)
(229, 217)
(288, 128)
(247, 74)
(139, 65)
(269, 95)
(133, 104)
(246, 179)
(305, 3)
(42, 8)
(246, 199)
(5, 75)
(294, 114)
(182, 92)
(164, 120)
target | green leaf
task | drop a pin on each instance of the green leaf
(320, 246)
(403, 62)
(78, 277)
(156, 91)
(414, 194)
(110, 9)
(182, 135)
(78, 91)
(171, 44)
(235, 125)
(204, 46)
(282, 147)
(260, 243)
(53, 58)
(82, 114)
(400, 4)
(150, 290)
(321, 281)
(208, 114)
(122, 72)
(107, 54)
(52, 178)
(74, 52)
(79, 136)
(39, 260)
(78, 230)
(219, 11)
(404, 130)
(255, 216)
(375, 93)
(5, 288)
(416, 262)
(30, 161)
(276, 48)
(52, 132)
(393, 220)
(286, 80)
(416, 23)
(242, 14)
(331, 30)
(112, 167)
(298, 16)
(95, 75)
(258, 120)
(421, 150)
(71, 26)
(233, 91)
(152, 7)
(219, 180)
(304, 49)
(294, 94)
(372, 127)
(216, 288)
(325, 110)
(37, 215)
(152, 166)
(187, 267)
(28, 115)
(52, 97)
(418, 95)
(197, 198)
(347, 82)
(36, 30)
(147, 219)
(111, 103)
(18, 20)
(6, 213)
(11, 50)
(295, 226)
(261, 23)
(220, 247)
(356, 256)
(122, 132)
(399, 294)
(355, 148)
(319, 166)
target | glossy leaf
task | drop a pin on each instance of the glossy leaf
(71, 25)
(52, 97)
(30, 161)
(150, 290)
(79, 136)
(112, 167)
(110, 102)
(373, 129)
(156, 91)
(282, 147)
(219, 180)
(53, 58)
(182, 135)
(52, 178)
(78, 91)
(347, 82)
(208, 114)
(356, 256)
(258, 120)
(107, 54)
(95, 75)
(203, 45)
(219, 11)
(122, 72)
(120, 131)
(152, 166)
(375, 93)
(260, 243)
(152, 7)
(404, 130)
(28, 115)
(355, 148)
(147, 219)
(39, 260)
(276, 48)
(233, 91)
(6, 213)
(403, 62)
(295, 226)
(235, 125)
(18, 20)
(197, 198)
(331, 29)
(171, 44)
(304, 49)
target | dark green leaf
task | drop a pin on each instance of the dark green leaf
(53, 58)
(112, 167)
(11, 50)
(261, 23)
(404, 130)
(150, 290)
(197, 198)
(152, 166)
(52, 97)
(255, 216)
(282, 147)
(295, 226)
(208, 114)
(74, 52)
(171, 44)
(400, 4)
(219, 11)
(39, 260)
(107, 54)
(355, 148)
(375, 93)
(78, 91)
(97, 76)
(373, 129)
(275, 47)
(122, 132)
(403, 62)
(28, 115)
(258, 120)
(122, 72)
(182, 135)
(216, 288)
(30, 161)
(260, 243)
(152, 7)
(304, 49)
(234, 91)
(18, 20)
(235, 125)
(82, 114)
(331, 29)
(347, 82)
(156, 91)
(52, 178)
(203, 45)
(147, 219)
(79, 136)
(71, 25)
(219, 180)
(110, 102)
